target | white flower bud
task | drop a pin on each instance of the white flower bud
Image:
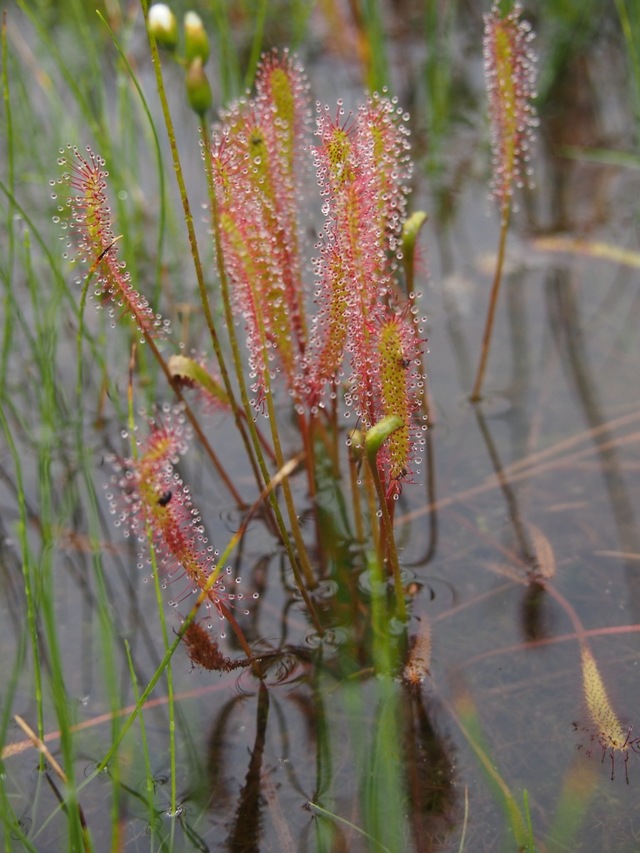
(163, 25)
(196, 42)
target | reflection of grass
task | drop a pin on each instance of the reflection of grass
(469, 722)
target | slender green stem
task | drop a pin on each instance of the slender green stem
(302, 555)
(259, 17)
(163, 623)
(27, 569)
(195, 254)
(464, 713)
(370, 492)
(307, 429)
(373, 42)
(630, 29)
(143, 731)
(10, 224)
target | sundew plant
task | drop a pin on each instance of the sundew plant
(333, 341)
(285, 567)
(510, 70)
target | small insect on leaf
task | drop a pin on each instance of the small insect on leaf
(164, 498)
(105, 251)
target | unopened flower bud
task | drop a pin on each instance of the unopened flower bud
(379, 433)
(196, 42)
(163, 25)
(198, 88)
(411, 229)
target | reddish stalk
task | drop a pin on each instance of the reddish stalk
(476, 394)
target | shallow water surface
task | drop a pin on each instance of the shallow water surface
(519, 544)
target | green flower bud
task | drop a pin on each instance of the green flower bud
(163, 26)
(411, 229)
(196, 42)
(198, 88)
(379, 433)
(188, 370)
